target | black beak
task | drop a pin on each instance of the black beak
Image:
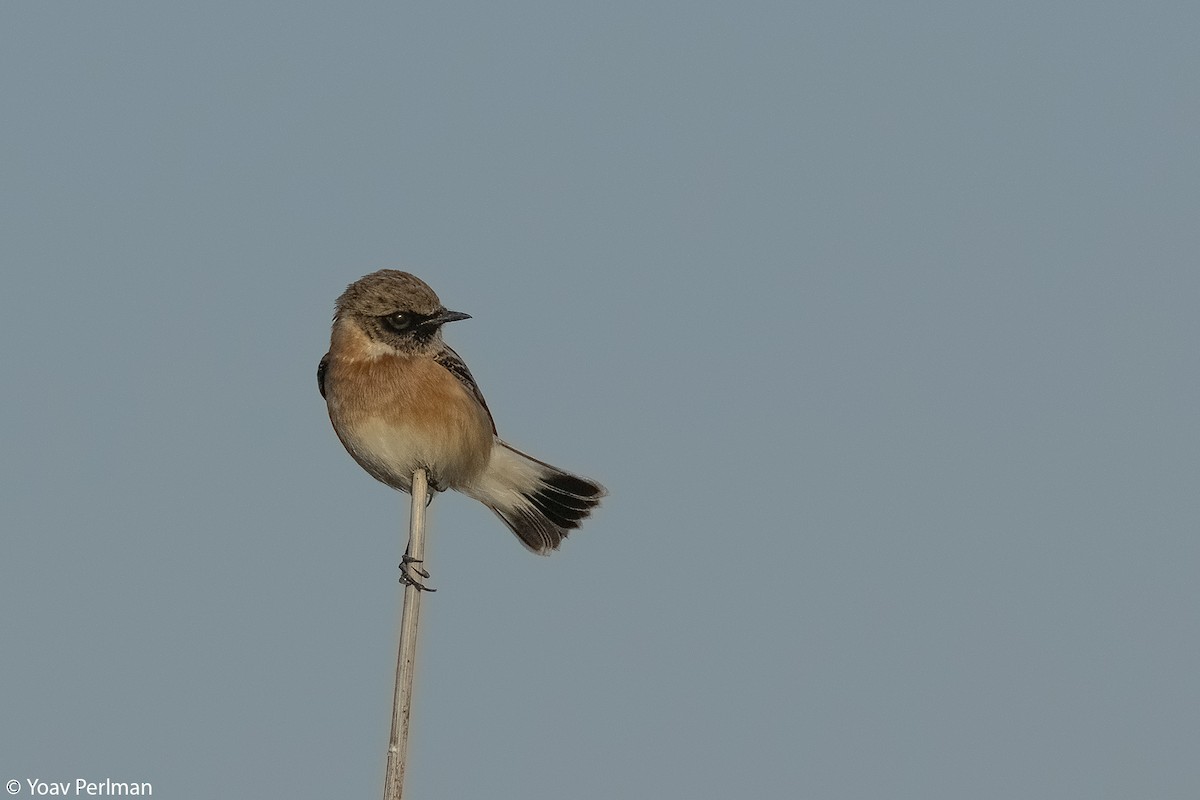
(444, 316)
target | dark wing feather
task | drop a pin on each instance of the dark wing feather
(455, 366)
(324, 365)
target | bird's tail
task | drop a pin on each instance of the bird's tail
(540, 503)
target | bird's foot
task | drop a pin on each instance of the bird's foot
(411, 572)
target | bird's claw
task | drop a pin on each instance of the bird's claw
(409, 573)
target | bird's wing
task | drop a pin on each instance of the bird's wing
(455, 366)
(324, 365)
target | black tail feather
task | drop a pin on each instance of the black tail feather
(556, 508)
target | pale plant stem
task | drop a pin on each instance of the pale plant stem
(406, 658)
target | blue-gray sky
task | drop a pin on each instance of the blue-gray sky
(879, 321)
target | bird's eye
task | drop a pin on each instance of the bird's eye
(398, 321)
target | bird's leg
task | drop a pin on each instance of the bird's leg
(410, 569)
(434, 488)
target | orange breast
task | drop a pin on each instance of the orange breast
(396, 413)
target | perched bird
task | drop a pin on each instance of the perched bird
(400, 399)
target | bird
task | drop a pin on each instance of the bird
(401, 399)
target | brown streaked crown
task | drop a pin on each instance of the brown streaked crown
(387, 291)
